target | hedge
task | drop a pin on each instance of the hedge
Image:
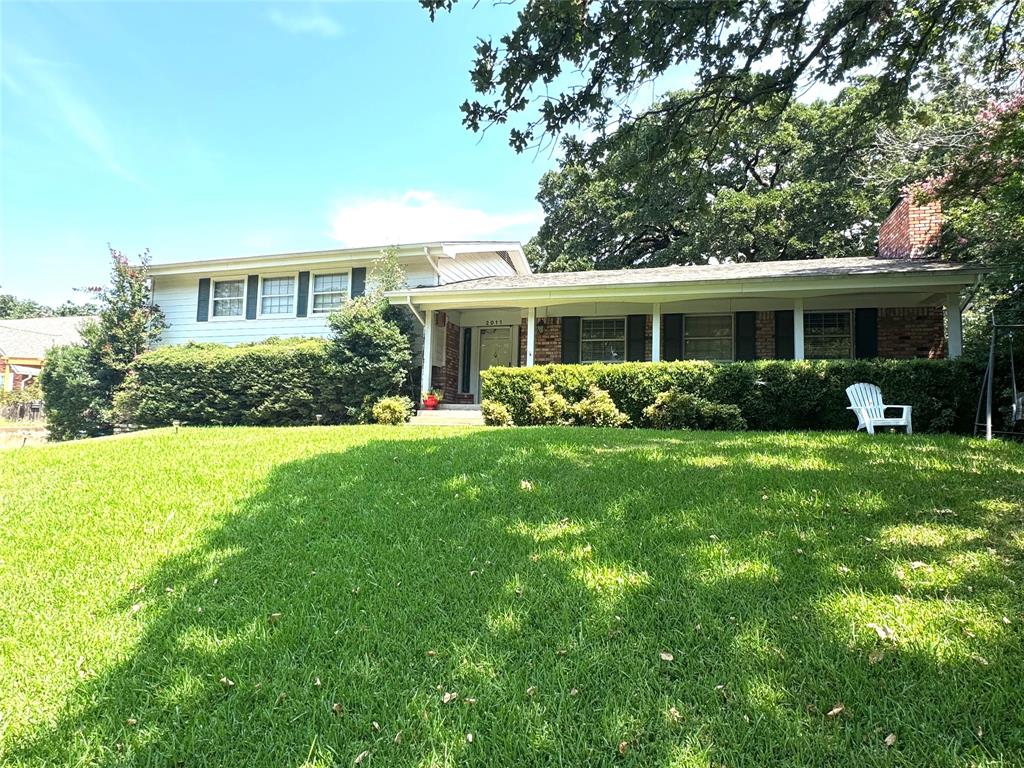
(277, 382)
(771, 394)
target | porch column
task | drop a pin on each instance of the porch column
(798, 329)
(531, 334)
(428, 345)
(656, 333)
(954, 326)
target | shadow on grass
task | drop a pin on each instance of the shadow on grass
(539, 575)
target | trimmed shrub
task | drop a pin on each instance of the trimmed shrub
(597, 410)
(771, 394)
(495, 414)
(680, 410)
(276, 382)
(547, 406)
(396, 409)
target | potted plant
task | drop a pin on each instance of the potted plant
(432, 398)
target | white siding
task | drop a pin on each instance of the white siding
(469, 266)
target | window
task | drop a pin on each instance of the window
(707, 337)
(228, 298)
(828, 335)
(603, 340)
(329, 292)
(277, 296)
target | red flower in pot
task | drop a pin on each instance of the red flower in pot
(431, 399)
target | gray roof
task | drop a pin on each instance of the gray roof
(702, 273)
(32, 336)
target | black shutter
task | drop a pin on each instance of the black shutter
(671, 337)
(358, 281)
(865, 340)
(252, 296)
(303, 298)
(203, 305)
(636, 326)
(570, 339)
(784, 335)
(746, 335)
(467, 351)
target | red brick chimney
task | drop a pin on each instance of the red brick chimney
(911, 230)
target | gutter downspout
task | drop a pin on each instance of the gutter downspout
(433, 264)
(415, 312)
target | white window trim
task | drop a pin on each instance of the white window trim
(245, 297)
(853, 332)
(295, 296)
(732, 336)
(625, 338)
(310, 312)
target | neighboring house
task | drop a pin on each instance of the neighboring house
(479, 305)
(24, 343)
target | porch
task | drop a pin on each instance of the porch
(860, 308)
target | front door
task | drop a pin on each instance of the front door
(496, 348)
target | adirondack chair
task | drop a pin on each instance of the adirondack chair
(866, 402)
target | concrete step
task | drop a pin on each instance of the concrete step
(450, 417)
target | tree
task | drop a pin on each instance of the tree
(11, 307)
(79, 383)
(577, 63)
(772, 190)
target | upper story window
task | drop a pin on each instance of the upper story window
(329, 292)
(603, 339)
(707, 337)
(228, 298)
(277, 296)
(828, 335)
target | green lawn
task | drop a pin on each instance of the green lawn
(420, 597)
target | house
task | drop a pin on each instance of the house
(24, 343)
(479, 305)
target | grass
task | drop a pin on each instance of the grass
(308, 597)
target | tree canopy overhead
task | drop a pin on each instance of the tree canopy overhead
(569, 64)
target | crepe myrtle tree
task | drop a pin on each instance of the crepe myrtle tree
(79, 390)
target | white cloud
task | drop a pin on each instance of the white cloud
(312, 21)
(419, 216)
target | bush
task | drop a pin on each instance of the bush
(370, 354)
(276, 382)
(547, 406)
(396, 409)
(495, 414)
(770, 394)
(73, 397)
(680, 410)
(597, 410)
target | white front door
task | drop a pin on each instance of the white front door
(497, 347)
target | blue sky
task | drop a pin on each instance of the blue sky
(203, 130)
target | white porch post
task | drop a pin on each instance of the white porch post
(428, 345)
(954, 325)
(656, 333)
(531, 334)
(798, 329)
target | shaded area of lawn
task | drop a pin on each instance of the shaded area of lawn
(343, 585)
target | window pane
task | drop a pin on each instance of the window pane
(828, 335)
(227, 308)
(228, 289)
(603, 351)
(708, 349)
(604, 328)
(329, 283)
(700, 326)
(326, 302)
(707, 337)
(278, 296)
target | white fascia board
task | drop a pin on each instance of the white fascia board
(652, 292)
(513, 247)
(407, 253)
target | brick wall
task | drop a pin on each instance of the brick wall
(911, 332)
(547, 346)
(911, 230)
(451, 361)
(764, 336)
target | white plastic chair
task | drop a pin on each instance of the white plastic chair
(866, 402)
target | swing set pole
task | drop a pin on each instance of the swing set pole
(988, 384)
